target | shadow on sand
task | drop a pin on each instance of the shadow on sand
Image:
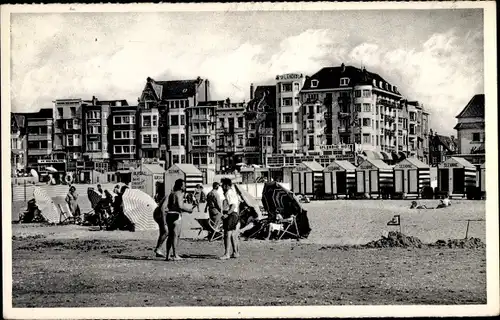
(153, 258)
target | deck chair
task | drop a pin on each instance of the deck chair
(65, 216)
(214, 232)
(290, 227)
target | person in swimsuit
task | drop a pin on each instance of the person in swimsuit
(169, 213)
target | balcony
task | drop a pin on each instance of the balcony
(343, 114)
(40, 137)
(339, 147)
(149, 146)
(345, 130)
(201, 117)
(252, 149)
(200, 132)
(39, 152)
(266, 131)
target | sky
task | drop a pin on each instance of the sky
(433, 56)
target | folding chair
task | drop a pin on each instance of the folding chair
(214, 232)
(65, 216)
(288, 224)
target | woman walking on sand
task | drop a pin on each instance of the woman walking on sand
(72, 201)
(169, 213)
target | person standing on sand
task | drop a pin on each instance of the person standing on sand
(214, 205)
(197, 197)
(230, 221)
(72, 201)
(169, 213)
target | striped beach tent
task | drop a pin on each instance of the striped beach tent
(411, 176)
(186, 171)
(307, 178)
(373, 176)
(138, 207)
(455, 176)
(46, 205)
(339, 177)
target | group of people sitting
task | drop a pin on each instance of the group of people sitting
(222, 207)
(108, 212)
(443, 203)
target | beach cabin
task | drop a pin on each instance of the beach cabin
(186, 171)
(339, 177)
(147, 177)
(482, 178)
(373, 177)
(455, 175)
(252, 174)
(410, 176)
(307, 179)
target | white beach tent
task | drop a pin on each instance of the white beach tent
(410, 176)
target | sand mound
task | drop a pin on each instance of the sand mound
(469, 243)
(395, 239)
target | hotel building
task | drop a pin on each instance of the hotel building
(67, 144)
(39, 141)
(230, 137)
(471, 133)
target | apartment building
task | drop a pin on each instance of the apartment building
(471, 133)
(18, 141)
(96, 128)
(171, 99)
(261, 124)
(124, 137)
(417, 132)
(39, 142)
(288, 88)
(201, 130)
(230, 130)
(67, 144)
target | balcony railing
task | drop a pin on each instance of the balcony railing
(200, 131)
(251, 148)
(39, 152)
(39, 137)
(343, 114)
(344, 130)
(201, 117)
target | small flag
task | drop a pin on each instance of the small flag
(396, 221)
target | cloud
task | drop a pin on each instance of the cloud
(110, 56)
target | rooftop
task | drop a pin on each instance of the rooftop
(473, 109)
(175, 89)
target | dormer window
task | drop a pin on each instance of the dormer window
(344, 81)
(314, 83)
(380, 85)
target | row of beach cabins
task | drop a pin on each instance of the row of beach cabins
(456, 177)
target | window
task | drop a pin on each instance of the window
(94, 130)
(146, 138)
(105, 115)
(366, 107)
(174, 120)
(400, 132)
(312, 97)
(241, 123)
(357, 138)
(177, 104)
(344, 81)
(287, 117)
(377, 140)
(70, 140)
(357, 93)
(72, 111)
(367, 93)
(476, 136)
(183, 121)
(376, 124)
(287, 136)
(155, 120)
(183, 139)
(296, 101)
(357, 107)
(175, 158)
(124, 134)
(314, 83)
(366, 122)
(296, 86)
(155, 138)
(412, 129)
(174, 139)
(94, 146)
(124, 149)
(366, 138)
(124, 120)
(93, 115)
(286, 87)
(221, 122)
(240, 140)
(412, 116)
(60, 112)
(287, 102)
(146, 121)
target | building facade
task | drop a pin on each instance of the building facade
(171, 99)
(288, 88)
(67, 144)
(18, 141)
(39, 141)
(230, 130)
(470, 129)
(201, 130)
(441, 148)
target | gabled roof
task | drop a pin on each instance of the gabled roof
(445, 142)
(187, 168)
(415, 162)
(329, 78)
(341, 164)
(473, 109)
(154, 168)
(469, 125)
(19, 119)
(461, 161)
(264, 96)
(379, 164)
(313, 165)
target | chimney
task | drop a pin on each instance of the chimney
(94, 100)
(342, 66)
(207, 90)
(251, 91)
(148, 79)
